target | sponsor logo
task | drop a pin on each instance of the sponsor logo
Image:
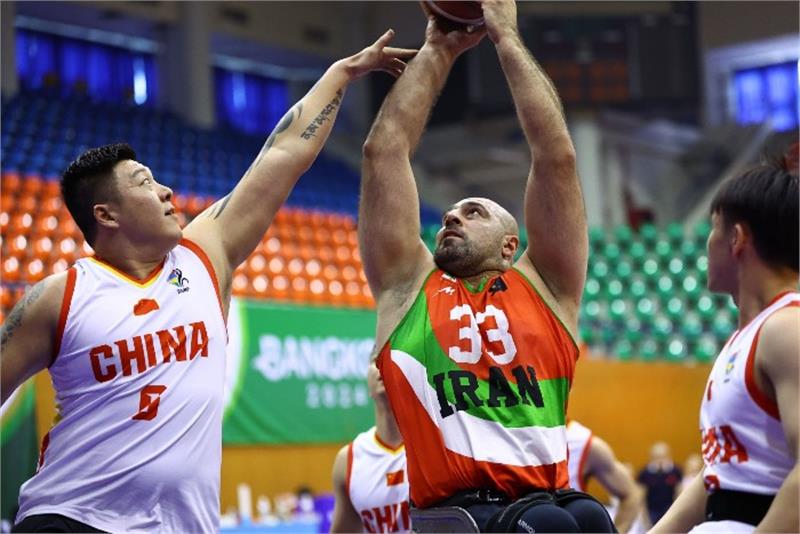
(449, 290)
(177, 279)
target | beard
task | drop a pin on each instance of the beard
(460, 259)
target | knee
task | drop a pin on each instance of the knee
(546, 518)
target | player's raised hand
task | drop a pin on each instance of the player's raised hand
(500, 18)
(379, 56)
(456, 38)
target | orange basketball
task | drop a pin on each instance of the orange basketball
(461, 12)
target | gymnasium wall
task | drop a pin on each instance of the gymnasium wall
(629, 404)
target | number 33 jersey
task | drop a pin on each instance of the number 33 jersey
(478, 380)
(744, 446)
(138, 375)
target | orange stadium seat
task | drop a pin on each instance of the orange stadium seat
(32, 184)
(11, 182)
(11, 268)
(52, 188)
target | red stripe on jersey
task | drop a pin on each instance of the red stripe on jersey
(66, 301)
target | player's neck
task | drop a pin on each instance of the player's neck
(386, 426)
(136, 261)
(759, 288)
(478, 281)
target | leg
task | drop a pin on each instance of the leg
(590, 515)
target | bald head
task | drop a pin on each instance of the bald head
(508, 222)
(478, 235)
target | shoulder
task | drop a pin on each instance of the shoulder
(340, 464)
(45, 297)
(778, 349)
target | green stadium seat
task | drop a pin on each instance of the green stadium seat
(637, 287)
(623, 350)
(722, 326)
(599, 269)
(650, 270)
(675, 268)
(587, 335)
(597, 236)
(701, 231)
(691, 327)
(648, 233)
(706, 349)
(649, 350)
(675, 309)
(618, 309)
(691, 287)
(662, 328)
(624, 269)
(623, 234)
(701, 263)
(677, 349)
(664, 287)
(612, 252)
(595, 311)
(706, 308)
(637, 252)
(689, 251)
(675, 233)
(633, 330)
(615, 289)
(646, 310)
(663, 249)
(591, 291)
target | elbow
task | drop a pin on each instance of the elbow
(384, 141)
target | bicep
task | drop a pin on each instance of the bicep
(781, 345)
(555, 220)
(389, 222)
(345, 517)
(611, 474)
(28, 335)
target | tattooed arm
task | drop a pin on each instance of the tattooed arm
(28, 334)
(230, 229)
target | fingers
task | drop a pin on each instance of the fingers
(403, 53)
(426, 9)
(384, 39)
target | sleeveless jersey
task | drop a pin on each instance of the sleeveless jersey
(377, 484)
(744, 447)
(579, 438)
(478, 382)
(138, 375)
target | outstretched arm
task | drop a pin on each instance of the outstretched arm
(778, 356)
(230, 229)
(612, 475)
(554, 213)
(389, 227)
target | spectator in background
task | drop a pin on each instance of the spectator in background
(589, 456)
(661, 479)
(369, 474)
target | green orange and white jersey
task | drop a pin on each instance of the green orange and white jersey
(478, 380)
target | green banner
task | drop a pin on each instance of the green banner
(296, 374)
(18, 447)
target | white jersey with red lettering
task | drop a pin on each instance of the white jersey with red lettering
(579, 438)
(377, 483)
(138, 373)
(744, 446)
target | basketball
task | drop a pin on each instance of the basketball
(461, 12)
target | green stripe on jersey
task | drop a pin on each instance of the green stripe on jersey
(415, 336)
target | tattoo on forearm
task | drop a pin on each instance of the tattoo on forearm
(216, 210)
(324, 115)
(15, 317)
(220, 205)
